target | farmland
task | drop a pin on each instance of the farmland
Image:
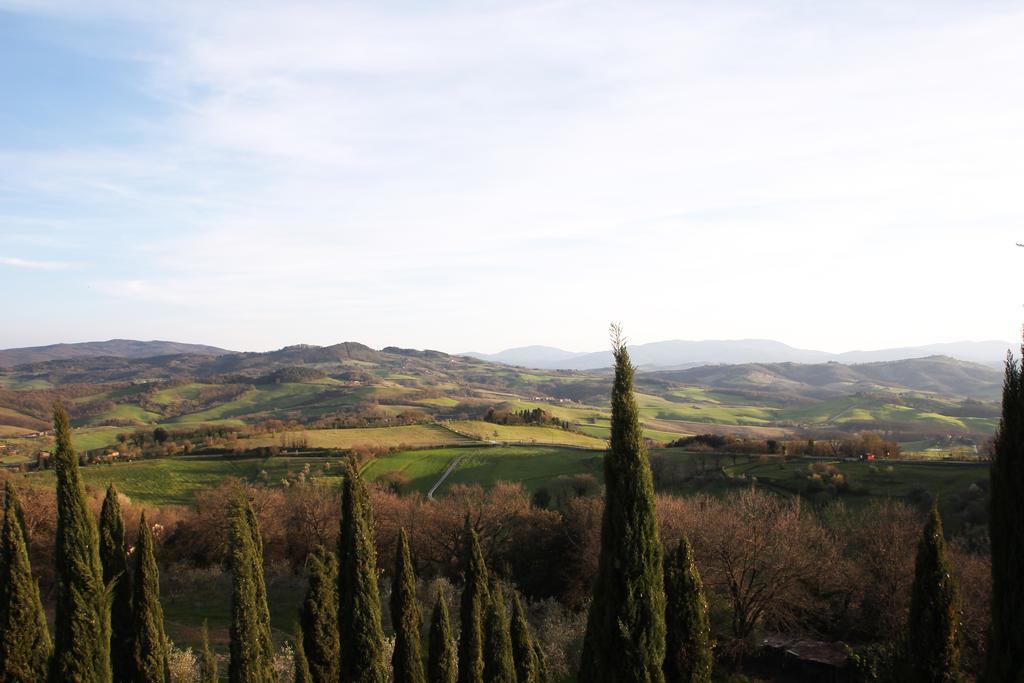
(415, 406)
(410, 436)
(175, 481)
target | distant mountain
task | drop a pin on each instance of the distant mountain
(788, 381)
(115, 348)
(546, 356)
(678, 354)
(987, 352)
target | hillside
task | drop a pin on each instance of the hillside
(120, 348)
(350, 385)
(802, 382)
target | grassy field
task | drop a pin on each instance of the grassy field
(273, 401)
(884, 479)
(485, 465)
(521, 434)
(532, 466)
(88, 438)
(422, 468)
(175, 481)
(412, 436)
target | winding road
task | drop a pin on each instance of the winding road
(444, 475)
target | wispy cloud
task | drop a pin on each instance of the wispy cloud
(683, 166)
(15, 262)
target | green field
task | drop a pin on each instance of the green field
(89, 438)
(422, 468)
(488, 431)
(411, 436)
(532, 466)
(486, 465)
(175, 481)
(272, 401)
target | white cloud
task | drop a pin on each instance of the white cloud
(15, 262)
(695, 170)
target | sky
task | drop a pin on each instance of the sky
(480, 175)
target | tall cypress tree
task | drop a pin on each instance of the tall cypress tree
(302, 673)
(471, 609)
(407, 660)
(441, 658)
(933, 650)
(115, 575)
(688, 634)
(359, 628)
(252, 651)
(625, 637)
(498, 664)
(82, 624)
(523, 652)
(1005, 656)
(319, 617)
(24, 638)
(208, 665)
(542, 664)
(149, 647)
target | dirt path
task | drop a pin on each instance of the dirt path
(444, 475)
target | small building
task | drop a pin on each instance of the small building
(800, 659)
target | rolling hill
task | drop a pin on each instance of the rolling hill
(350, 385)
(119, 348)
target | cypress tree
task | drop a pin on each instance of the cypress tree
(318, 617)
(302, 673)
(523, 652)
(471, 610)
(625, 637)
(252, 651)
(24, 638)
(498, 664)
(362, 638)
(149, 647)
(208, 666)
(1005, 656)
(82, 624)
(688, 634)
(441, 658)
(542, 664)
(407, 660)
(933, 650)
(115, 575)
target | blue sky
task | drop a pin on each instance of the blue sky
(479, 175)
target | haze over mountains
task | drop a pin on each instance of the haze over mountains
(682, 354)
